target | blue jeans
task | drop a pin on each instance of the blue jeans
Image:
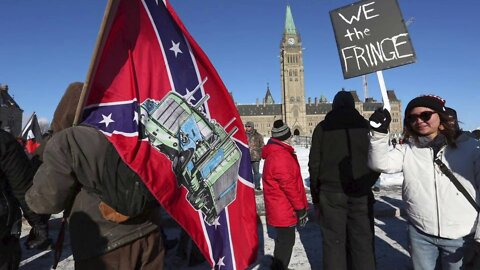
(256, 173)
(429, 252)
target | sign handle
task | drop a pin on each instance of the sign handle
(383, 89)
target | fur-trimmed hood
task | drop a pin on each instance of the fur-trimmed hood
(66, 108)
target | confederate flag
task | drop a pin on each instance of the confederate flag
(156, 96)
(32, 135)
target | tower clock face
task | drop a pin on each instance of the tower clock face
(291, 41)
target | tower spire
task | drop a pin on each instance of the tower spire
(289, 24)
(268, 96)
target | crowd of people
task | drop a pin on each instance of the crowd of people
(440, 164)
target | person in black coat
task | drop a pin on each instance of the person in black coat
(340, 185)
(16, 175)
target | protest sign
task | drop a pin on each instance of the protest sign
(371, 36)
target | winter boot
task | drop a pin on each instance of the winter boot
(38, 238)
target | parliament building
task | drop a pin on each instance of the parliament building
(10, 112)
(300, 115)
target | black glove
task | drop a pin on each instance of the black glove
(380, 120)
(471, 257)
(302, 217)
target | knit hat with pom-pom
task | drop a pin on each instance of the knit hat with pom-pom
(280, 131)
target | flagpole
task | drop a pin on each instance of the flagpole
(108, 16)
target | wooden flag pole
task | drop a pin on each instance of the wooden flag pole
(108, 16)
(383, 89)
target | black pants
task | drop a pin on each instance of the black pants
(283, 247)
(347, 229)
(10, 253)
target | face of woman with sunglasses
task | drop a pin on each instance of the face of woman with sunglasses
(424, 121)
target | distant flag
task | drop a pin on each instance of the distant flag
(155, 95)
(31, 134)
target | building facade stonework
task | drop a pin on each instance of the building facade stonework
(300, 115)
(10, 112)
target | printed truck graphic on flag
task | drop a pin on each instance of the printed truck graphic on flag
(204, 157)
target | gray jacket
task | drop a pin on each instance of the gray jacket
(433, 203)
(74, 159)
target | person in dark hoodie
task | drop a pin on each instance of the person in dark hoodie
(73, 165)
(340, 185)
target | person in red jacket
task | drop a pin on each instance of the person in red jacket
(283, 192)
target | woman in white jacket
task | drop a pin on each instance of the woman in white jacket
(443, 225)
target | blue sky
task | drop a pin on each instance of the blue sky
(48, 44)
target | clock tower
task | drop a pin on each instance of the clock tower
(292, 80)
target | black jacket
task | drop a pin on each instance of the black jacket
(339, 154)
(16, 175)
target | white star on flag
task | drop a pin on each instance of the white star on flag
(107, 120)
(220, 262)
(216, 222)
(176, 48)
(135, 117)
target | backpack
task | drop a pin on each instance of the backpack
(122, 192)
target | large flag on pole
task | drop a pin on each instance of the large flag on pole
(156, 96)
(31, 134)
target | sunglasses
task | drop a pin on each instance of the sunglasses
(248, 126)
(424, 116)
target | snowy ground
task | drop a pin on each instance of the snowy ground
(390, 235)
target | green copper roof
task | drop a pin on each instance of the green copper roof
(289, 24)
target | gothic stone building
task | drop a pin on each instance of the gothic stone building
(10, 112)
(302, 116)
